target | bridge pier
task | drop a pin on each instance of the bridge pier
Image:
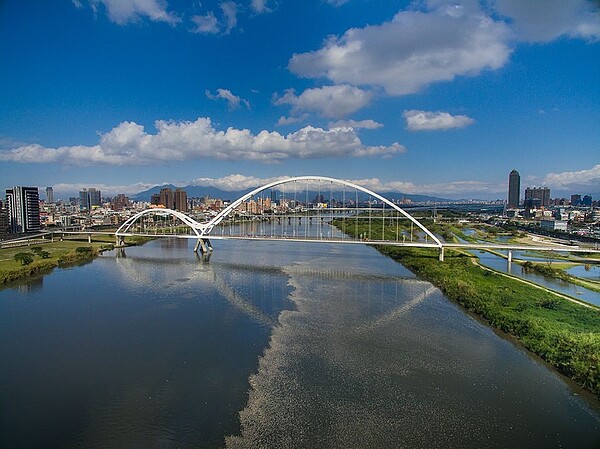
(203, 245)
(89, 238)
(509, 260)
(119, 241)
(441, 254)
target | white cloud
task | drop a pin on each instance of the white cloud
(129, 144)
(122, 12)
(106, 189)
(546, 20)
(232, 100)
(456, 189)
(283, 120)
(366, 124)
(230, 12)
(434, 121)
(207, 24)
(452, 189)
(336, 2)
(235, 182)
(328, 101)
(585, 179)
(412, 51)
(260, 6)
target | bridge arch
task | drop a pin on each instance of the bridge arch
(207, 228)
(191, 223)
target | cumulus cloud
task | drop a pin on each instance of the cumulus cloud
(129, 144)
(328, 101)
(122, 12)
(411, 51)
(207, 24)
(434, 121)
(232, 100)
(588, 178)
(366, 124)
(546, 20)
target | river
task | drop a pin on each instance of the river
(269, 344)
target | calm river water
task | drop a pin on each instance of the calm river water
(269, 345)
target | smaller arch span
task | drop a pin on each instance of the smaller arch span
(124, 229)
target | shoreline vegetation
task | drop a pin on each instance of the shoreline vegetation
(40, 258)
(563, 333)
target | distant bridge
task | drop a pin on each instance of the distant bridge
(302, 209)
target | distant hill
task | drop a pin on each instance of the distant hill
(213, 192)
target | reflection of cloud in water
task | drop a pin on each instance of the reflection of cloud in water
(183, 278)
(328, 377)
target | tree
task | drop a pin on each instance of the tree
(24, 258)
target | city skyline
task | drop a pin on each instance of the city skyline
(434, 98)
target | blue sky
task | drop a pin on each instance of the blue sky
(435, 97)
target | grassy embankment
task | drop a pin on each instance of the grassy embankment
(565, 334)
(47, 256)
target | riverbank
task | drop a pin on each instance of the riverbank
(45, 257)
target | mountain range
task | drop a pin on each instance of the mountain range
(213, 192)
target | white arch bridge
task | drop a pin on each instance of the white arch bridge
(301, 209)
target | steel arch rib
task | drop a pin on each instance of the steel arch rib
(193, 224)
(208, 227)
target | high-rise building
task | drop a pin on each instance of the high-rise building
(120, 202)
(88, 199)
(23, 204)
(180, 200)
(587, 200)
(95, 198)
(575, 200)
(84, 200)
(49, 195)
(537, 196)
(166, 198)
(155, 199)
(514, 189)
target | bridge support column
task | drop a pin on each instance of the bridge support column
(89, 238)
(509, 260)
(119, 241)
(203, 245)
(441, 255)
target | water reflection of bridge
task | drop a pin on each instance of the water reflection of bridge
(309, 209)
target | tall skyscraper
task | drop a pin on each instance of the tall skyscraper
(49, 195)
(23, 204)
(514, 189)
(180, 200)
